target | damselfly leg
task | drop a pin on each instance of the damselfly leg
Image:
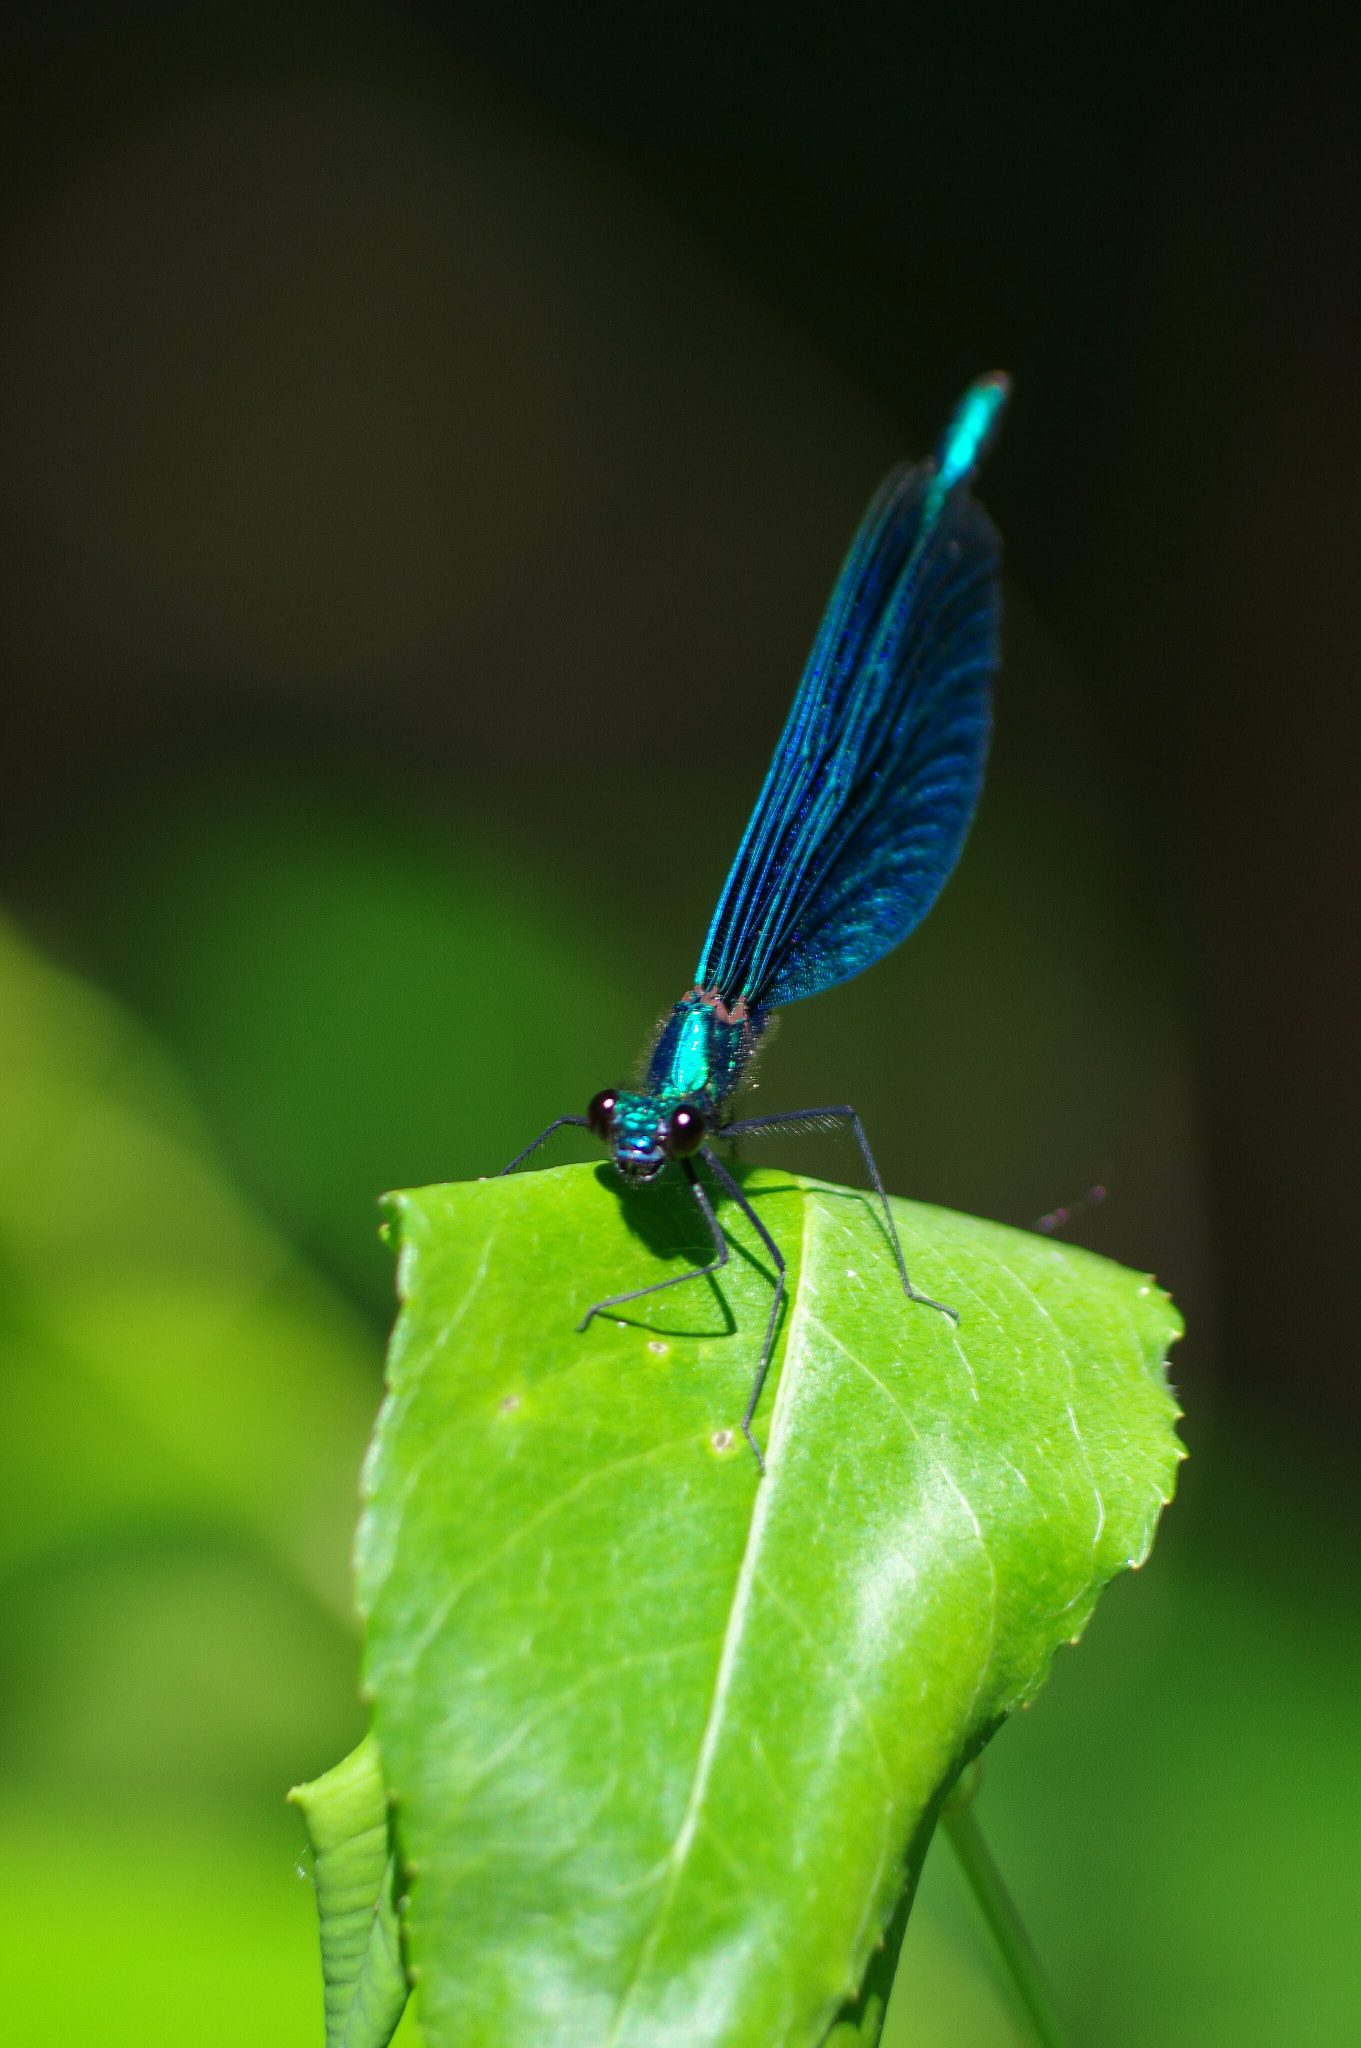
(726, 1181)
(706, 1210)
(842, 1113)
(721, 1248)
(533, 1147)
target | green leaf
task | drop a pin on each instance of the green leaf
(346, 1812)
(665, 1741)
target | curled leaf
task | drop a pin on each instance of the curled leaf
(346, 1814)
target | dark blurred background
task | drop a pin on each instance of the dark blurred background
(427, 438)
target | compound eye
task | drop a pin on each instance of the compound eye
(600, 1112)
(684, 1133)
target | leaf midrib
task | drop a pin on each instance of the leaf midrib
(732, 1637)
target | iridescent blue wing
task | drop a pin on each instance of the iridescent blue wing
(874, 782)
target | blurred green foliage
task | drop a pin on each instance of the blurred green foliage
(182, 1413)
(364, 1008)
(168, 1344)
(365, 1003)
(1178, 1814)
(183, 1404)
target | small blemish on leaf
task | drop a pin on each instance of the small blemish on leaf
(511, 1401)
(722, 1439)
(657, 1348)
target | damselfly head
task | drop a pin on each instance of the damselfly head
(643, 1133)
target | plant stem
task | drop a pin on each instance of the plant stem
(999, 1910)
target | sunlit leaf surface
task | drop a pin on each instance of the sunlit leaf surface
(661, 1735)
